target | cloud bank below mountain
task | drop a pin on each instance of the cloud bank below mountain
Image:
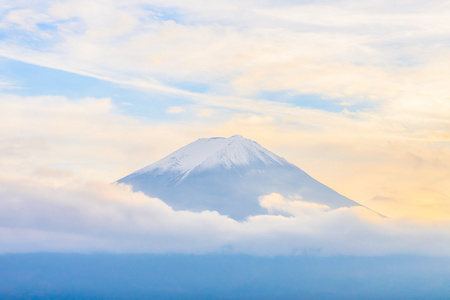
(101, 217)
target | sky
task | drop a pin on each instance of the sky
(355, 93)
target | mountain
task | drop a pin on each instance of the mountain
(228, 175)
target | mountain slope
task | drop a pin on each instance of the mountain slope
(228, 175)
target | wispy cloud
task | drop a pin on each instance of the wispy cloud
(5, 85)
(340, 49)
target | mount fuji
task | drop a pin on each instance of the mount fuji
(228, 175)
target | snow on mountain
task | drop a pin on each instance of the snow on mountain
(214, 152)
(228, 175)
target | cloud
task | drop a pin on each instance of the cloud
(358, 52)
(6, 85)
(338, 49)
(94, 216)
(175, 110)
(276, 203)
(87, 136)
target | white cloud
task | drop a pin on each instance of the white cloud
(87, 136)
(5, 85)
(276, 203)
(175, 110)
(392, 55)
(95, 216)
(206, 112)
(339, 49)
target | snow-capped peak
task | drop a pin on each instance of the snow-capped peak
(228, 175)
(214, 152)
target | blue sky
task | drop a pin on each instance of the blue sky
(353, 92)
(32, 80)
